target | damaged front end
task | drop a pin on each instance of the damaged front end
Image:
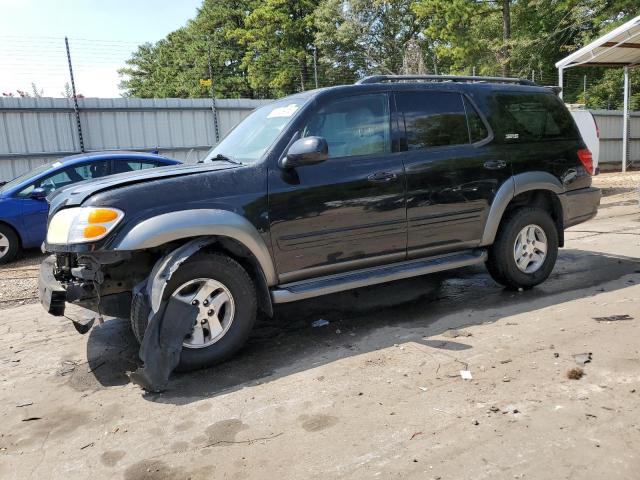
(170, 320)
(104, 282)
(99, 281)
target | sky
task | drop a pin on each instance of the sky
(102, 34)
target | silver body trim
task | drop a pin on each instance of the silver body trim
(168, 227)
(523, 182)
(341, 267)
(371, 276)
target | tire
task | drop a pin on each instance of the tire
(534, 268)
(236, 285)
(139, 316)
(9, 244)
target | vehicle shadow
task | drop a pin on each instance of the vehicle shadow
(288, 344)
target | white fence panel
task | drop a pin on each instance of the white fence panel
(610, 124)
(37, 130)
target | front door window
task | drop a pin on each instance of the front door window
(67, 176)
(353, 126)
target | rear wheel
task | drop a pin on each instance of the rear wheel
(226, 300)
(9, 244)
(525, 249)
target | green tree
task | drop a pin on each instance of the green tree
(266, 48)
(607, 92)
(359, 37)
(174, 66)
(513, 37)
(278, 38)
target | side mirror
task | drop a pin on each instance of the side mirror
(306, 151)
(38, 193)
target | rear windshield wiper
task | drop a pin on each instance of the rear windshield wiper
(226, 158)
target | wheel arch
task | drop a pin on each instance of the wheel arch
(223, 226)
(205, 230)
(540, 189)
(241, 254)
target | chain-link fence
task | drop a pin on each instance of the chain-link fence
(40, 67)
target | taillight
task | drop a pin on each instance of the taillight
(587, 160)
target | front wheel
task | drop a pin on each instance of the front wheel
(525, 250)
(9, 244)
(226, 300)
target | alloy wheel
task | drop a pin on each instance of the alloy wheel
(530, 249)
(216, 310)
(4, 245)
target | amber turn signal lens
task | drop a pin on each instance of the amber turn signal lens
(102, 215)
(93, 231)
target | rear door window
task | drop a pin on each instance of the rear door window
(532, 117)
(477, 128)
(432, 119)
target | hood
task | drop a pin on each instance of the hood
(76, 194)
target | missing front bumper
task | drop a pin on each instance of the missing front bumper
(51, 292)
(54, 294)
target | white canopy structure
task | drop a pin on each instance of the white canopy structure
(618, 48)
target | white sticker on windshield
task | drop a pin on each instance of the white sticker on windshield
(283, 111)
(56, 164)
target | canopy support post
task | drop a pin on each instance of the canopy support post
(560, 82)
(625, 120)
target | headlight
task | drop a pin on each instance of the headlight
(82, 224)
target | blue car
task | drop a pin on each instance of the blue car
(23, 205)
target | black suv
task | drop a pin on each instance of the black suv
(319, 192)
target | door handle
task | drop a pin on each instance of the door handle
(494, 164)
(381, 177)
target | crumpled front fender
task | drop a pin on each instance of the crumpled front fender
(164, 269)
(169, 320)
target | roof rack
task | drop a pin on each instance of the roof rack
(442, 78)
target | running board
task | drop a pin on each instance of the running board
(316, 287)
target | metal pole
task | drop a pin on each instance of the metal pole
(75, 98)
(315, 64)
(214, 110)
(560, 75)
(584, 89)
(474, 71)
(625, 120)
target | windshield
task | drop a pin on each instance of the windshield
(26, 176)
(248, 142)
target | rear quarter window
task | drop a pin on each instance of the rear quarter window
(531, 117)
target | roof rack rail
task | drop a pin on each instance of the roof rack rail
(442, 78)
(554, 88)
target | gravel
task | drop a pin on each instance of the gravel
(19, 280)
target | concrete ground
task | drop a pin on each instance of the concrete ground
(376, 393)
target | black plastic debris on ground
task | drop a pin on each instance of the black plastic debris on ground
(613, 318)
(162, 344)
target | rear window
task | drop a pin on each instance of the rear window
(532, 117)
